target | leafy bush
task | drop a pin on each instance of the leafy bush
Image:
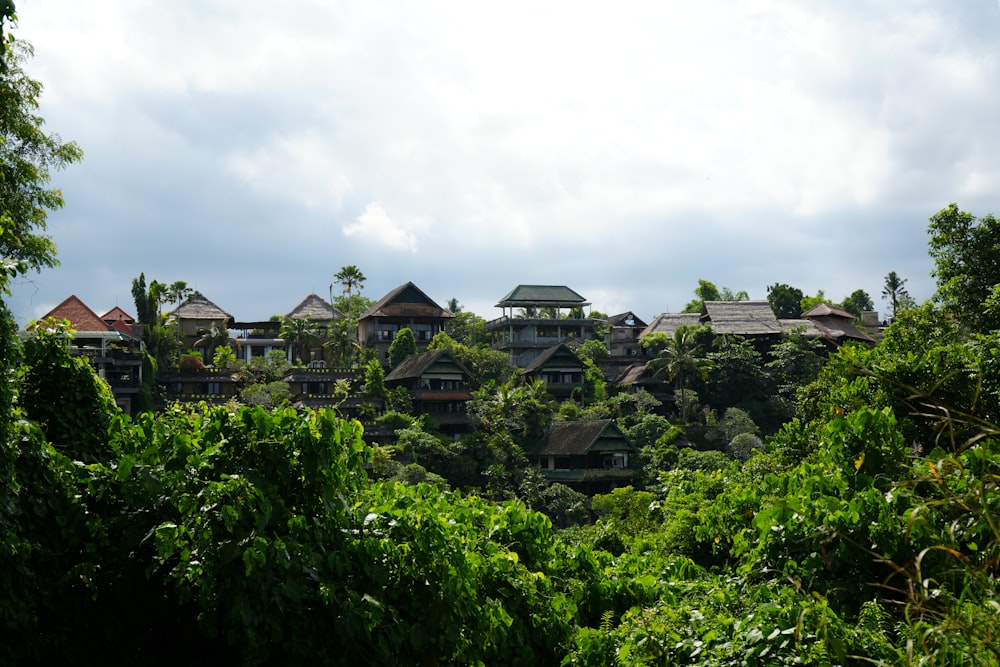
(191, 362)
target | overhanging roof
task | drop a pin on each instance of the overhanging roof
(550, 296)
(581, 437)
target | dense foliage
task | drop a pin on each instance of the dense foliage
(28, 155)
(257, 537)
(864, 530)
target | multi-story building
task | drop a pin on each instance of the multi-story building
(198, 320)
(257, 339)
(561, 371)
(405, 307)
(589, 456)
(537, 317)
(438, 386)
(112, 343)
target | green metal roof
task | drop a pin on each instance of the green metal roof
(542, 295)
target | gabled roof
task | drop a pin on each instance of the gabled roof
(406, 301)
(557, 296)
(560, 352)
(669, 323)
(315, 308)
(828, 310)
(81, 317)
(582, 437)
(415, 365)
(197, 307)
(118, 319)
(628, 319)
(743, 318)
(117, 313)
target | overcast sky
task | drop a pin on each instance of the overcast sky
(625, 149)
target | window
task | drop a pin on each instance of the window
(423, 332)
(546, 332)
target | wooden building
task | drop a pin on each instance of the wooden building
(591, 456)
(405, 307)
(438, 386)
(533, 320)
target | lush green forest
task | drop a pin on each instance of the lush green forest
(791, 510)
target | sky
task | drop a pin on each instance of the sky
(625, 150)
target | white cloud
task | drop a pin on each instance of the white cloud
(401, 233)
(301, 169)
(524, 138)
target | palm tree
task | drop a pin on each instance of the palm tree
(895, 291)
(177, 291)
(213, 338)
(299, 332)
(342, 341)
(158, 294)
(527, 313)
(680, 360)
(350, 277)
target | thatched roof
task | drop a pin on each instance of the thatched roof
(828, 310)
(317, 309)
(542, 296)
(669, 323)
(742, 318)
(407, 301)
(638, 375)
(198, 307)
(415, 365)
(838, 331)
(581, 437)
(807, 327)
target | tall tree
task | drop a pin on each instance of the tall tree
(966, 253)
(785, 300)
(6, 16)
(145, 308)
(706, 291)
(177, 291)
(466, 327)
(681, 360)
(349, 277)
(27, 158)
(858, 302)
(893, 289)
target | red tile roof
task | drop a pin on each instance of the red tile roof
(81, 317)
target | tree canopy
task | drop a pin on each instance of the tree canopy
(894, 290)
(858, 302)
(28, 155)
(785, 300)
(707, 291)
(966, 254)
